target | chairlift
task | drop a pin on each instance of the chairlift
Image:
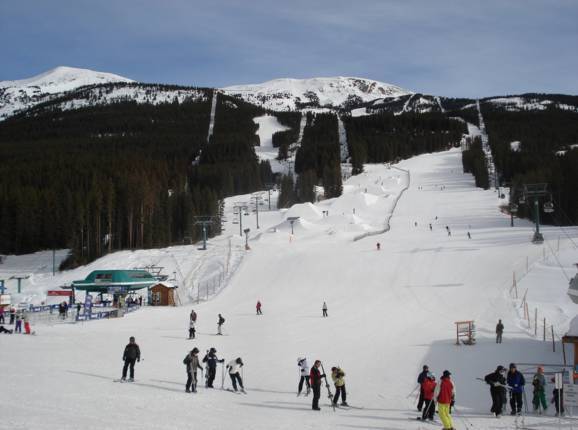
(548, 207)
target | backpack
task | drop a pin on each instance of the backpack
(222, 320)
(187, 359)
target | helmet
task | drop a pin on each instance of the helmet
(446, 373)
(195, 350)
(512, 365)
(213, 350)
(131, 338)
(300, 359)
(239, 361)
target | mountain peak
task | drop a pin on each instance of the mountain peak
(290, 93)
(63, 78)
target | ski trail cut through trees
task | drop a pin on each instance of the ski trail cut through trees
(342, 140)
(486, 148)
(212, 118)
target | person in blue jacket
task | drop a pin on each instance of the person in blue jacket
(516, 382)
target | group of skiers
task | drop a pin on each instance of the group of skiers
(19, 319)
(513, 382)
(193, 323)
(431, 391)
(313, 378)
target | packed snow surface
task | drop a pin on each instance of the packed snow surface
(390, 311)
(288, 94)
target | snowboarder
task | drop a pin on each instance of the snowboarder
(420, 379)
(539, 383)
(304, 371)
(259, 308)
(337, 375)
(211, 360)
(5, 330)
(428, 387)
(499, 331)
(516, 382)
(192, 363)
(315, 378)
(191, 329)
(558, 399)
(497, 383)
(324, 309)
(220, 322)
(445, 399)
(130, 355)
(234, 366)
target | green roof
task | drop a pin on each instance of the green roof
(102, 280)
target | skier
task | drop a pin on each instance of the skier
(259, 308)
(78, 307)
(304, 370)
(212, 360)
(428, 387)
(18, 324)
(430, 227)
(130, 355)
(516, 382)
(191, 329)
(497, 383)
(445, 399)
(192, 363)
(193, 315)
(539, 383)
(26, 322)
(315, 377)
(337, 375)
(2, 314)
(448, 230)
(220, 322)
(12, 315)
(499, 331)
(378, 245)
(234, 366)
(324, 308)
(558, 399)
(420, 379)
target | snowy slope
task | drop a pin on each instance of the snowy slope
(286, 94)
(390, 311)
(25, 93)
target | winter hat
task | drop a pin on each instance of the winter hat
(500, 368)
(446, 373)
(239, 361)
(425, 367)
(131, 338)
(512, 365)
(212, 350)
(333, 369)
(195, 350)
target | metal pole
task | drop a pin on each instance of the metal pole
(536, 322)
(537, 216)
(204, 237)
(544, 330)
(553, 340)
(240, 221)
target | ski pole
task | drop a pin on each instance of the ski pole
(412, 391)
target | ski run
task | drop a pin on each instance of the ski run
(389, 312)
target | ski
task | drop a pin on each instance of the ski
(236, 392)
(329, 395)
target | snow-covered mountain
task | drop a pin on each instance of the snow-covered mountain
(22, 94)
(335, 92)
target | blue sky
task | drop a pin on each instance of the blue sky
(444, 47)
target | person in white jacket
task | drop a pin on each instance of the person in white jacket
(304, 371)
(234, 368)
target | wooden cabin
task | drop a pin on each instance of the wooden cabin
(163, 294)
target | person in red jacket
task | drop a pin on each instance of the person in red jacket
(259, 308)
(315, 377)
(445, 398)
(428, 387)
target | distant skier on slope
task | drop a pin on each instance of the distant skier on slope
(220, 323)
(499, 331)
(304, 369)
(516, 382)
(193, 315)
(315, 377)
(192, 362)
(497, 382)
(234, 367)
(445, 399)
(211, 360)
(192, 330)
(428, 387)
(258, 307)
(420, 379)
(130, 356)
(337, 375)
(324, 309)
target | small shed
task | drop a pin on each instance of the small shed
(163, 294)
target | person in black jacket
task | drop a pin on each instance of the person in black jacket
(499, 331)
(315, 377)
(497, 382)
(212, 360)
(421, 377)
(220, 323)
(131, 354)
